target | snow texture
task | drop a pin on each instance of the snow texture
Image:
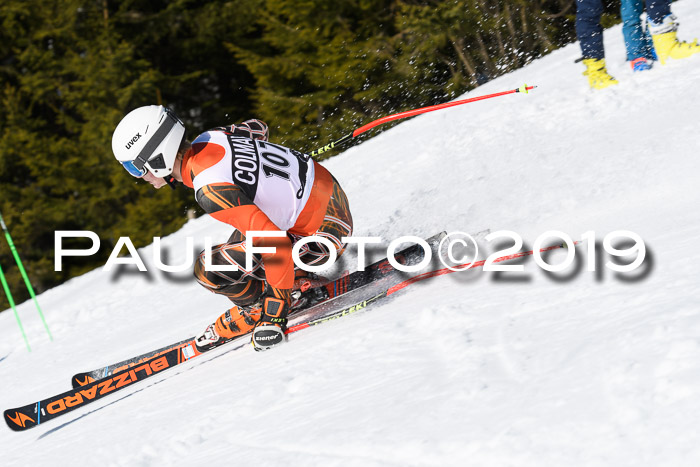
(486, 369)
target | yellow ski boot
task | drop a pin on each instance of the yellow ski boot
(667, 44)
(598, 77)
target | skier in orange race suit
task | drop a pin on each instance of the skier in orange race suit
(242, 179)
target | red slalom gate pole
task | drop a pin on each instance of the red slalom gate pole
(411, 113)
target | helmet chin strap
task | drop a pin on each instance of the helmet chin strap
(170, 180)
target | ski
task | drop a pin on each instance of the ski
(31, 415)
(311, 298)
(337, 298)
(312, 317)
(358, 296)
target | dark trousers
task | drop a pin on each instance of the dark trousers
(590, 32)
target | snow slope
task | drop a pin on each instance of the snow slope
(477, 370)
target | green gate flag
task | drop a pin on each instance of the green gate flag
(24, 276)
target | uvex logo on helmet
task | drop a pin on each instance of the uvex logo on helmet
(133, 140)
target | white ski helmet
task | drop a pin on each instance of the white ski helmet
(147, 140)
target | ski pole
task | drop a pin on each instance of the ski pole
(24, 274)
(410, 113)
(6, 287)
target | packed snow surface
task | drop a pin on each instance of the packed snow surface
(519, 369)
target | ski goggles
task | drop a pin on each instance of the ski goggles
(137, 167)
(131, 168)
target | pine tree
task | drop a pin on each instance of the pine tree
(69, 82)
(327, 67)
(320, 59)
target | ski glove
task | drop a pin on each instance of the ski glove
(270, 329)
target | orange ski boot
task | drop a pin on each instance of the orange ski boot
(233, 323)
(304, 280)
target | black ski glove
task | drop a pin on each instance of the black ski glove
(270, 329)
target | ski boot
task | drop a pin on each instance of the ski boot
(640, 64)
(304, 280)
(666, 42)
(308, 289)
(598, 77)
(233, 323)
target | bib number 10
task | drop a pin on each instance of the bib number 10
(275, 163)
